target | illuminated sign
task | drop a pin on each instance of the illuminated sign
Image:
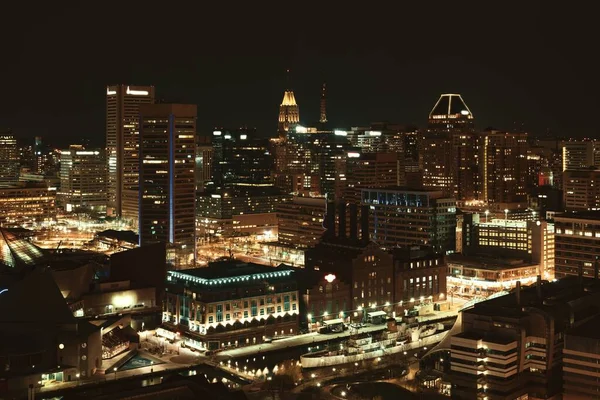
(464, 112)
(217, 133)
(340, 133)
(110, 92)
(330, 278)
(301, 129)
(353, 155)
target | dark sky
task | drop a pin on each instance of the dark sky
(511, 61)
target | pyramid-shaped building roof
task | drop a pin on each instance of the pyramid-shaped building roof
(451, 105)
(17, 253)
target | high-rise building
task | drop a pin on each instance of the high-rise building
(9, 158)
(240, 158)
(82, 180)
(407, 217)
(323, 106)
(300, 221)
(40, 156)
(577, 243)
(167, 193)
(25, 202)
(371, 170)
(578, 154)
(289, 113)
(204, 160)
(581, 189)
(122, 146)
(448, 149)
(503, 167)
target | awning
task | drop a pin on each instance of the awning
(377, 314)
(333, 321)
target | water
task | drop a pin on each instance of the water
(138, 361)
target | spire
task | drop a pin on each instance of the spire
(323, 118)
(288, 110)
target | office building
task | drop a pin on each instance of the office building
(577, 241)
(300, 221)
(231, 304)
(167, 193)
(577, 154)
(406, 217)
(122, 146)
(204, 160)
(511, 346)
(448, 150)
(289, 114)
(503, 167)
(82, 180)
(9, 158)
(25, 203)
(581, 189)
(581, 362)
(371, 170)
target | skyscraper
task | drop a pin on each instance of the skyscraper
(323, 108)
(448, 152)
(9, 158)
(289, 114)
(122, 146)
(82, 180)
(167, 195)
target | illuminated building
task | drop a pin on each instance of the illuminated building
(231, 304)
(503, 167)
(296, 162)
(289, 114)
(581, 189)
(511, 346)
(40, 156)
(122, 146)
(240, 158)
(323, 105)
(580, 154)
(406, 217)
(371, 170)
(204, 156)
(82, 180)
(449, 149)
(326, 297)
(167, 193)
(531, 241)
(9, 158)
(300, 221)
(26, 202)
(577, 243)
(17, 253)
(238, 211)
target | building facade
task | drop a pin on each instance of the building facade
(231, 304)
(167, 194)
(577, 242)
(122, 146)
(26, 202)
(9, 158)
(82, 180)
(406, 217)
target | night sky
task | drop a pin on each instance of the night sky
(511, 61)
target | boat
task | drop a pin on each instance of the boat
(368, 346)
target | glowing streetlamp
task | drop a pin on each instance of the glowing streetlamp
(487, 213)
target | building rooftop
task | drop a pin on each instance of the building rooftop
(593, 215)
(231, 272)
(16, 252)
(488, 262)
(125, 236)
(589, 329)
(450, 105)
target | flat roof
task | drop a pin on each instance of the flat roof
(593, 215)
(589, 329)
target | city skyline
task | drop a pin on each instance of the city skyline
(509, 65)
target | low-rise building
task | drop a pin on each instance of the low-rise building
(581, 362)
(231, 303)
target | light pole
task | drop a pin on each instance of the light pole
(77, 375)
(115, 369)
(487, 212)
(505, 216)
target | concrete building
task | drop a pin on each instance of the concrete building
(581, 189)
(9, 158)
(406, 217)
(581, 362)
(167, 195)
(511, 346)
(577, 243)
(371, 170)
(231, 304)
(122, 146)
(300, 221)
(82, 180)
(23, 203)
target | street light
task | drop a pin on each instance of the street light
(487, 212)
(505, 215)
(115, 369)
